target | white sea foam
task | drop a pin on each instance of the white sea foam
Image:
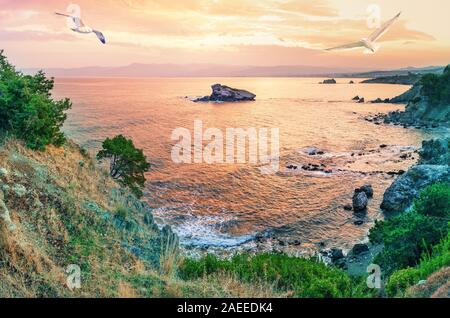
(202, 231)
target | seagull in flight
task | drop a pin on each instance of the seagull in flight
(369, 43)
(80, 27)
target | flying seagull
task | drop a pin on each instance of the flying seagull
(369, 43)
(81, 28)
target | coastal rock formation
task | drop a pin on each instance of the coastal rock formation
(222, 93)
(329, 81)
(409, 79)
(433, 166)
(407, 96)
(435, 152)
(428, 102)
(400, 195)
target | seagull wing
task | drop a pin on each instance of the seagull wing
(76, 20)
(347, 46)
(100, 36)
(383, 29)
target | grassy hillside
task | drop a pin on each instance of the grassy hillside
(64, 210)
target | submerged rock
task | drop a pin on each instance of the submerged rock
(348, 207)
(222, 93)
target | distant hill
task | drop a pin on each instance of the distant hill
(195, 70)
(211, 70)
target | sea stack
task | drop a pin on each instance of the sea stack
(222, 93)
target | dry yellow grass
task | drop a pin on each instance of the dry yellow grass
(436, 286)
(54, 229)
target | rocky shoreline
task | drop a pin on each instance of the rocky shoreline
(432, 167)
(409, 79)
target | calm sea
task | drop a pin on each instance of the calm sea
(225, 205)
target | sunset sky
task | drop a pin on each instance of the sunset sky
(238, 32)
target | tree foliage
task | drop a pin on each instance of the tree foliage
(435, 201)
(407, 236)
(437, 87)
(27, 110)
(127, 163)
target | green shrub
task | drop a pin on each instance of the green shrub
(401, 280)
(437, 87)
(434, 201)
(27, 110)
(127, 163)
(405, 237)
(304, 277)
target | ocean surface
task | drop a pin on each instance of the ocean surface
(226, 205)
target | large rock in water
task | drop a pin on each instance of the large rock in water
(222, 93)
(400, 195)
(329, 81)
(360, 201)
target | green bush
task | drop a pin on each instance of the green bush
(304, 277)
(127, 163)
(434, 201)
(407, 236)
(437, 87)
(27, 110)
(401, 280)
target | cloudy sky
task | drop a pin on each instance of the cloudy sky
(238, 32)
